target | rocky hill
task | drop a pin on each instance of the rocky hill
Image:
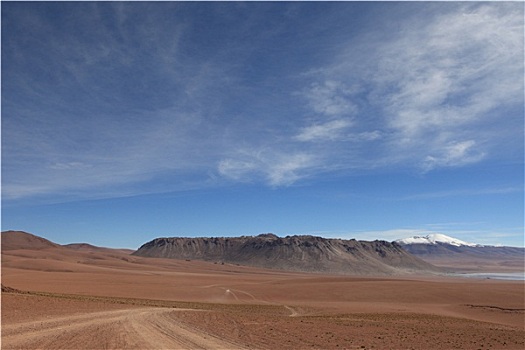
(296, 253)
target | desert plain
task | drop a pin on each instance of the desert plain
(85, 297)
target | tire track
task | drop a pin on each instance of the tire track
(293, 312)
(143, 328)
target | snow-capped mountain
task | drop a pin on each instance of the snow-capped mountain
(457, 255)
(435, 238)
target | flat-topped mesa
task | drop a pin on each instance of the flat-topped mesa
(297, 253)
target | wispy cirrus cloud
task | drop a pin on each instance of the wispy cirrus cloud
(454, 154)
(331, 98)
(419, 98)
(99, 100)
(111, 97)
(330, 130)
(465, 192)
(433, 86)
(276, 169)
(455, 69)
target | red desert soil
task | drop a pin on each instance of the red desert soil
(65, 298)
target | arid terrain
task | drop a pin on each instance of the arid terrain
(85, 297)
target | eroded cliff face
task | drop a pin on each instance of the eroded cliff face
(296, 253)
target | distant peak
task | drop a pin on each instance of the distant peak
(435, 238)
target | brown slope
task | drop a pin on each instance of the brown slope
(295, 253)
(12, 240)
(15, 240)
(86, 247)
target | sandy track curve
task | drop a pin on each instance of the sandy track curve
(144, 328)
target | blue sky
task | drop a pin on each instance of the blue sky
(124, 121)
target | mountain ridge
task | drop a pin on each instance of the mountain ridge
(296, 253)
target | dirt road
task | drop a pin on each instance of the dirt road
(142, 328)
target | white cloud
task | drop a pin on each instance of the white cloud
(288, 169)
(16, 190)
(331, 98)
(236, 169)
(326, 131)
(453, 70)
(454, 154)
(421, 96)
(425, 96)
(368, 135)
(70, 166)
(465, 192)
(120, 153)
(273, 167)
(439, 82)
